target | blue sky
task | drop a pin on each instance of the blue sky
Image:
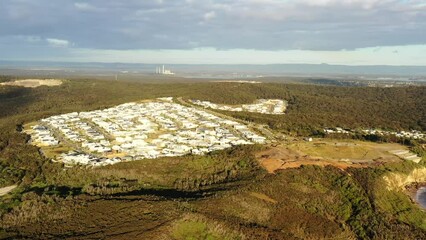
(350, 32)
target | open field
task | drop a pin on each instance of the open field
(355, 151)
(321, 152)
(33, 83)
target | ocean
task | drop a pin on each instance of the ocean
(421, 197)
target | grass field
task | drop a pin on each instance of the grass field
(356, 151)
(322, 152)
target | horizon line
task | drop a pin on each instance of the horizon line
(207, 64)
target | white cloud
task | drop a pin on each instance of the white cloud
(84, 6)
(245, 24)
(209, 15)
(363, 3)
(54, 42)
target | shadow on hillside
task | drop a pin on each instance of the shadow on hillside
(14, 99)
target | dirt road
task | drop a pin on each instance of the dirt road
(6, 190)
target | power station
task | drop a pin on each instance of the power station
(163, 70)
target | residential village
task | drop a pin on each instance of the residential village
(402, 134)
(135, 131)
(156, 128)
(264, 106)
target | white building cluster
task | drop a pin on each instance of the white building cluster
(402, 134)
(134, 131)
(336, 130)
(264, 106)
(42, 136)
(75, 157)
(407, 155)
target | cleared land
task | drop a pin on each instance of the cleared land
(33, 83)
(341, 154)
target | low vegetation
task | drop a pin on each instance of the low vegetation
(194, 226)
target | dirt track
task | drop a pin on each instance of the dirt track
(6, 190)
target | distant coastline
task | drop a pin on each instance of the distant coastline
(378, 72)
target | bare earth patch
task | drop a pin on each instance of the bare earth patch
(341, 154)
(6, 190)
(33, 83)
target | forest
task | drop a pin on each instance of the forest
(222, 195)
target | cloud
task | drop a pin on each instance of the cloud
(85, 6)
(367, 4)
(54, 42)
(209, 15)
(226, 24)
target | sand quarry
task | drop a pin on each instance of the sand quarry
(33, 83)
(341, 154)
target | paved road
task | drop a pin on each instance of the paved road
(6, 190)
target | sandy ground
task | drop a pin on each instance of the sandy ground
(6, 190)
(284, 156)
(281, 158)
(33, 83)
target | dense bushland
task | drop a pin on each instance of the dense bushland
(226, 188)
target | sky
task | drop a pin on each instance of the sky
(347, 32)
